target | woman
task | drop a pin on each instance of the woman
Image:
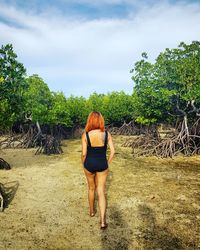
(94, 146)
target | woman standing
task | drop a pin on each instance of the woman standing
(94, 147)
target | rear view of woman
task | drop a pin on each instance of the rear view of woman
(94, 147)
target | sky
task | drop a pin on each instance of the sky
(82, 46)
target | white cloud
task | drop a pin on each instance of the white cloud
(104, 2)
(87, 55)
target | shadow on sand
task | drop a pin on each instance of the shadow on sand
(154, 236)
(118, 235)
(8, 191)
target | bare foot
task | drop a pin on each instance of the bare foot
(104, 225)
(92, 214)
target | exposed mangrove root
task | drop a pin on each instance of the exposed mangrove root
(130, 128)
(4, 164)
(49, 145)
(125, 129)
(7, 193)
(34, 138)
(185, 140)
(11, 141)
(1, 199)
(138, 141)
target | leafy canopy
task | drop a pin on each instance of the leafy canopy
(12, 86)
(171, 85)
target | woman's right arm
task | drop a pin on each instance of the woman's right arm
(84, 148)
(112, 149)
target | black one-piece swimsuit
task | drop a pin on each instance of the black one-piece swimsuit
(96, 160)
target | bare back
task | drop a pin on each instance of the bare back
(97, 138)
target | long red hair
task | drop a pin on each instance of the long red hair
(95, 120)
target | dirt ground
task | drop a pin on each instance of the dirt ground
(151, 203)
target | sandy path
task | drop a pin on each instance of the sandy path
(147, 206)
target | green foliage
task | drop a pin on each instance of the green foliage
(12, 86)
(78, 110)
(59, 114)
(118, 108)
(96, 102)
(169, 86)
(38, 99)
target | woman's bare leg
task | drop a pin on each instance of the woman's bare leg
(100, 180)
(91, 189)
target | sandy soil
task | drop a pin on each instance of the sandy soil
(151, 203)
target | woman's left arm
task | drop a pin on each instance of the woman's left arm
(84, 148)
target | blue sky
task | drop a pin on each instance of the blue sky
(83, 46)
